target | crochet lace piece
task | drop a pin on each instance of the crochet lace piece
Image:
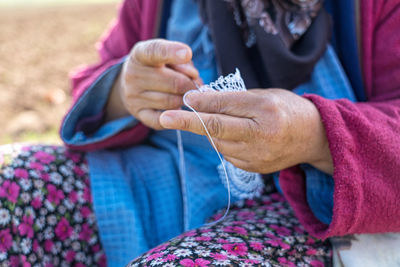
(230, 83)
(243, 184)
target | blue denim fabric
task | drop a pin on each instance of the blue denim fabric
(319, 193)
(344, 41)
(90, 104)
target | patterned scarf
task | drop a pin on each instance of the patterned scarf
(274, 43)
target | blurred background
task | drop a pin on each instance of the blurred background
(41, 41)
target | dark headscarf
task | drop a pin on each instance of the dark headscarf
(274, 43)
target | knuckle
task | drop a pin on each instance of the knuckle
(172, 102)
(132, 109)
(130, 78)
(251, 131)
(217, 105)
(133, 95)
(148, 119)
(150, 50)
(131, 91)
(271, 103)
(280, 122)
(168, 101)
(274, 107)
(185, 124)
(144, 51)
(162, 51)
(156, 50)
(176, 85)
(137, 50)
(135, 77)
(156, 125)
(214, 126)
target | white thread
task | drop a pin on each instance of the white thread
(229, 83)
(182, 171)
(222, 162)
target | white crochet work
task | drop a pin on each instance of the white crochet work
(230, 83)
(243, 184)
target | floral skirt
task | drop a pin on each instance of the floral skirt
(47, 219)
(257, 232)
(46, 212)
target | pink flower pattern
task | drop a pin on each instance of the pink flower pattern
(55, 195)
(36, 235)
(194, 263)
(250, 236)
(26, 227)
(263, 230)
(21, 173)
(44, 157)
(5, 240)
(36, 203)
(10, 190)
(63, 229)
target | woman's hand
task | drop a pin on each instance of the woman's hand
(154, 78)
(258, 130)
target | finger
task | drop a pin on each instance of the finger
(187, 69)
(161, 79)
(230, 103)
(218, 125)
(159, 100)
(150, 118)
(157, 52)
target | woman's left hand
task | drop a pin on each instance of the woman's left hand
(258, 130)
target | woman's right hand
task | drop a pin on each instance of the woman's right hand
(154, 78)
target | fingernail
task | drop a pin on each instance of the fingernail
(181, 53)
(166, 120)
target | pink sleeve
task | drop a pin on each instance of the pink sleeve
(364, 139)
(135, 22)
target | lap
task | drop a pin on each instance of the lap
(259, 232)
(46, 213)
(45, 190)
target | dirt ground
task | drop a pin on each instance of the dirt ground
(38, 48)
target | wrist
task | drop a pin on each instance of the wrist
(319, 155)
(115, 107)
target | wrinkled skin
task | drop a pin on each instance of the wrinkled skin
(259, 130)
(154, 78)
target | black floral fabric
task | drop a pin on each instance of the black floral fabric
(46, 211)
(258, 232)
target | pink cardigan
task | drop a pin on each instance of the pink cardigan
(364, 138)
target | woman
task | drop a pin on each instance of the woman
(336, 186)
